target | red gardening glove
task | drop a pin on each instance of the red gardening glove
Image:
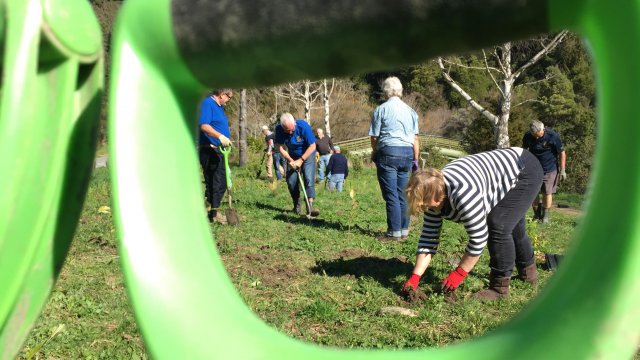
(412, 283)
(454, 279)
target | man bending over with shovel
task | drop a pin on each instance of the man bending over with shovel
(297, 145)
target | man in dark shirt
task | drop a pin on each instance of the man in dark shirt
(337, 170)
(324, 145)
(546, 145)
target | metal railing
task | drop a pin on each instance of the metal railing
(450, 148)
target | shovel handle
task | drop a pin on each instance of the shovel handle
(225, 150)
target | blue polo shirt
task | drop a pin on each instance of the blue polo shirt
(298, 142)
(213, 114)
(546, 149)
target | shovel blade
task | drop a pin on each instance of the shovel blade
(232, 217)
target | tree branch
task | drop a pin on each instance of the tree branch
(470, 67)
(529, 100)
(486, 113)
(545, 50)
(486, 63)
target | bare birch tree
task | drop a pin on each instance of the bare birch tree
(326, 95)
(242, 128)
(305, 92)
(504, 77)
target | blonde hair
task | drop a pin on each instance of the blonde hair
(423, 186)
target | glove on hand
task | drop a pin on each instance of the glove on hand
(414, 166)
(454, 279)
(412, 283)
(224, 141)
(563, 175)
(295, 164)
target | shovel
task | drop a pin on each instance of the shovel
(261, 163)
(230, 212)
(311, 213)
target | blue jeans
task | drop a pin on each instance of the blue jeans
(309, 174)
(278, 161)
(394, 167)
(335, 181)
(323, 161)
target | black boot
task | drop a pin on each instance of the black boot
(296, 206)
(537, 212)
(545, 216)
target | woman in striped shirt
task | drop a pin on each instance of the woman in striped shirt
(489, 193)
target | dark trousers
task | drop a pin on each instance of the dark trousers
(509, 243)
(215, 181)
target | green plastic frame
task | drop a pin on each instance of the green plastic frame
(53, 68)
(49, 116)
(168, 255)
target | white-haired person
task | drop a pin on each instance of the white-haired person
(395, 150)
(489, 193)
(297, 144)
(545, 144)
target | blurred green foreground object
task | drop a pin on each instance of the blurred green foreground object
(49, 114)
(166, 53)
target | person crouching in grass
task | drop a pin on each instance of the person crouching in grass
(489, 193)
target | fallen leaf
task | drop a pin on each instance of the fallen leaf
(104, 210)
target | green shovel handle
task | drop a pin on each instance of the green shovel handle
(226, 150)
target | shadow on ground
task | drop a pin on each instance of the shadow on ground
(384, 271)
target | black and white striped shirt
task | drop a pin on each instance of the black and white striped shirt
(474, 185)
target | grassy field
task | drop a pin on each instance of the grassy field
(322, 281)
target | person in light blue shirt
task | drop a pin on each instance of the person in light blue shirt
(395, 148)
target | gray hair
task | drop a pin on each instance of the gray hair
(320, 130)
(287, 118)
(218, 92)
(536, 126)
(392, 87)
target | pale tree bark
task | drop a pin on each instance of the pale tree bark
(305, 92)
(505, 81)
(242, 128)
(326, 95)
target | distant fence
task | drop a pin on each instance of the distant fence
(449, 148)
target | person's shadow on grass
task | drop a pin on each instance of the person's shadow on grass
(291, 217)
(384, 271)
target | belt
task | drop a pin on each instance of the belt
(207, 147)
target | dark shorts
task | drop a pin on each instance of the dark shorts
(550, 183)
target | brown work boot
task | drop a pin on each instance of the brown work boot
(498, 288)
(528, 274)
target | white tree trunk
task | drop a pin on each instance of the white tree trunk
(242, 128)
(327, 125)
(307, 101)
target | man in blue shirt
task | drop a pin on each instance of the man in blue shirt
(297, 146)
(214, 132)
(546, 145)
